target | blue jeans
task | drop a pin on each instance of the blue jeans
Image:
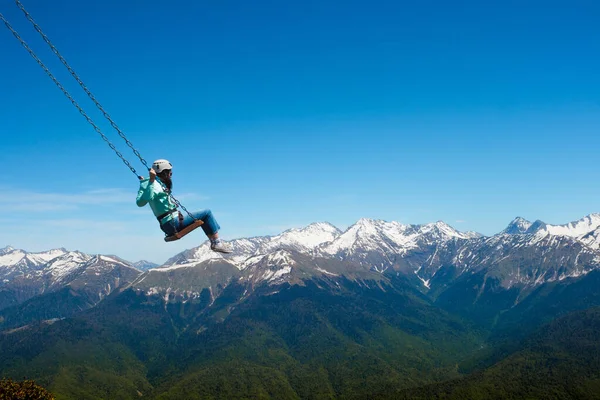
(209, 226)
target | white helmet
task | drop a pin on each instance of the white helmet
(160, 165)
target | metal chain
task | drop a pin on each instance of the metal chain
(83, 86)
(81, 111)
(66, 93)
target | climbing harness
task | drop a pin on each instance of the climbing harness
(178, 234)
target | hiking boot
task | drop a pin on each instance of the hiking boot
(220, 247)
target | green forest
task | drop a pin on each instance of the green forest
(303, 342)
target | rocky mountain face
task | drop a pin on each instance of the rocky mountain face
(524, 254)
(31, 282)
(478, 277)
(462, 271)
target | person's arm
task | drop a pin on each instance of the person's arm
(145, 193)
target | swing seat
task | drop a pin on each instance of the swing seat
(183, 232)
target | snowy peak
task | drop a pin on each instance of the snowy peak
(586, 229)
(304, 240)
(307, 238)
(59, 268)
(517, 226)
(441, 231)
(369, 235)
(144, 265)
(324, 239)
(12, 257)
(538, 227)
(50, 254)
(316, 228)
(25, 275)
(576, 229)
(52, 266)
(242, 249)
(441, 226)
(390, 237)
(472, 234)
(368, 222)
(6, 250)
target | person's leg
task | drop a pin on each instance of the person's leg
(210, 228)
(209, 223)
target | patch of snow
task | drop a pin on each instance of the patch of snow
(326, 272)
(280, 273)
(425, 282)
(11, 258)
(50, 255)
(280, 258)
(153, 291)
(577, 228)
(113, 260)
(252, 261)
(175, 266)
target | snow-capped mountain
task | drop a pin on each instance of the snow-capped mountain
(100, 275)
(585, 230)
(15, 261)
(380, 244)
(525, 259)
(144, 265)
(324, 240)
(434, 256)
(59, 270)
(304, 240)
(524, 254)
(24, 275)
(5, 250)
(574, 229)
(482, 278)
(318, 250)
(517, 226)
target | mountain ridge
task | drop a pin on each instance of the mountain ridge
(435, 257)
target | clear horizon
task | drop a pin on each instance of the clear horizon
(276, 116)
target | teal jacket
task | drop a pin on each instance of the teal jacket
(153, 194)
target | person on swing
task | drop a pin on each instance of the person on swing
(170, 219)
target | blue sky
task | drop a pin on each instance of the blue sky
(279, 114)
